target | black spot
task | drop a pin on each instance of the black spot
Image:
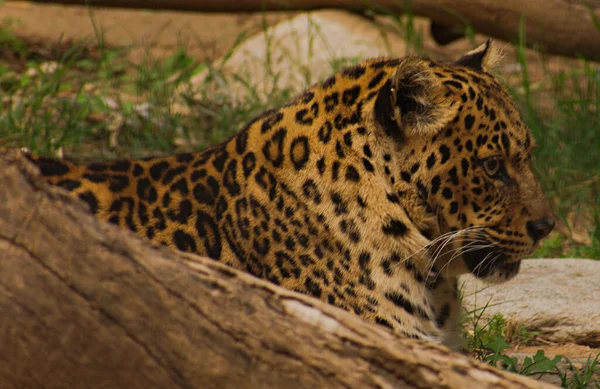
(290, 244)
(423, 193)
(184, 241)
(96, 177)
(354, 72)
(453, 207)
(202, 195)
(184, 157)
(352, 174)
(385, 63)
(118, 183)
(376, 79)
(143, 214)
(328, 83)
(471, 93)
(310, 190)
(350, 95)
(383, 322)
(248, 164)
(331, 101)
(348, 139)
(435, 184)
(454, 84)
(405, 176)
(464, 164)
(339, 150)
(97, 167)
(120, 166)
(443, 315)
(172, 173)
(69, 184)
(400, 301)
(220, 157)
(241, 142)
(453, 175)
(270, 121)
(469, 145)
(335, 170)
(307, 97)
(368, 165)
(360, 201)
(505, 142)
(447, 193)
(145, 191)
(364, 259)
(445, 152)
(91, 199)
(367, 151)
(198, 174)
(302, 117)
(230, 178)
(324, 133)
(395, 227)
(137, 170)
(299, 152)
(273, 148)
(321, 165)
(261, 246)
(182, 214)
(129, 204)
(430, 160)
(312, 287)
(392, 198)
(469, 120)
(460, 78)
(340, 205)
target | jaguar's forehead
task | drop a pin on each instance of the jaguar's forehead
(486, 108)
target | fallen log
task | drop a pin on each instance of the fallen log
(565, 27)
(85, 304)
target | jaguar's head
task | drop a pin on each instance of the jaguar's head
(465, 152)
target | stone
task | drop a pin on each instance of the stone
(560, 298)
(305, 49)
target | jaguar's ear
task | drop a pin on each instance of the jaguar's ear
(413, 101)
(484, 58)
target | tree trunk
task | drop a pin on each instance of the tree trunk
(565, 27)
(84, 304)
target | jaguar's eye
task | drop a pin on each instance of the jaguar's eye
(491, 166)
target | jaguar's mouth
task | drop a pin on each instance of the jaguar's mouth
(490, 264)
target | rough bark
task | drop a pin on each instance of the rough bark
(85, 304)
(565, 27)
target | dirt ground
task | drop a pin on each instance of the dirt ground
(205, 36)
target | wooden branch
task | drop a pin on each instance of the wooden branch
(85, 304)
(563, 27)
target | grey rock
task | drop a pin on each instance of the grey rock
(303, 50)
(560, 298)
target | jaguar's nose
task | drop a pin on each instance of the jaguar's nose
(539, 229)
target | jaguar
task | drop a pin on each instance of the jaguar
(372, 191)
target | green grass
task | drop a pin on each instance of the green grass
(488, 339)
(564, 115)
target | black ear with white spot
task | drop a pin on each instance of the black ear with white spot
(484, 58)
(413, 101)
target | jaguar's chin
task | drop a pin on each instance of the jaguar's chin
(491, 265)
